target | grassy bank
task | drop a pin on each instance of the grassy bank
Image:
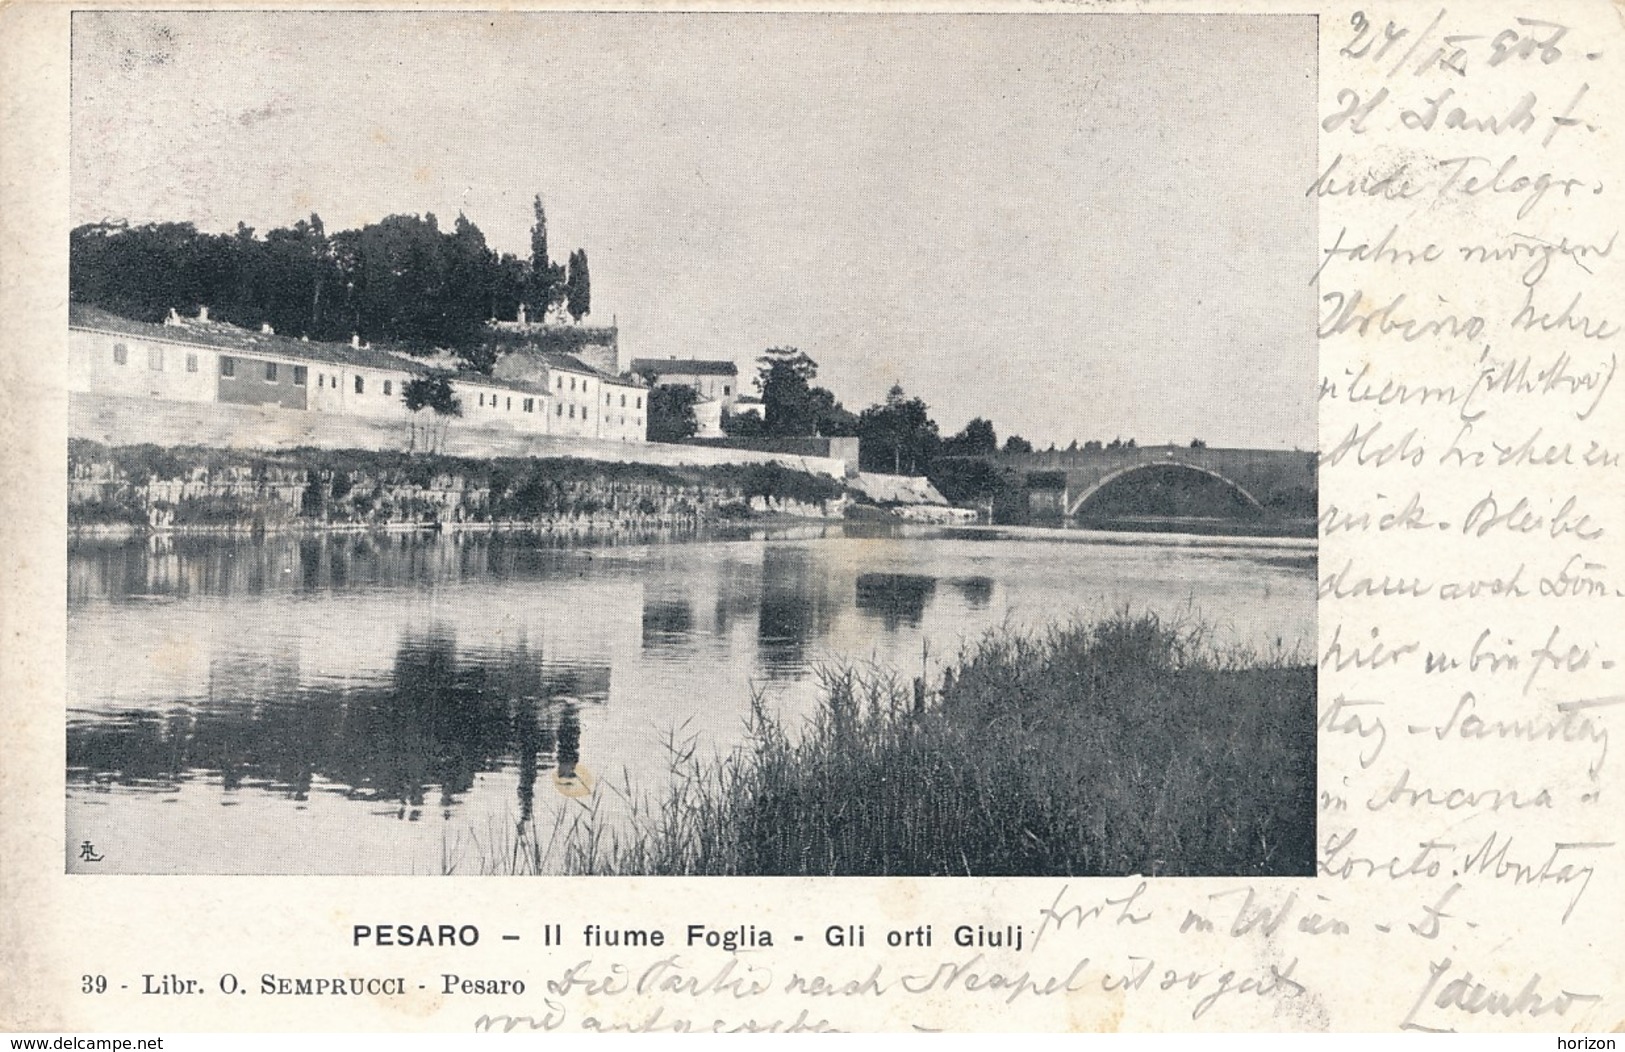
(1126, 746)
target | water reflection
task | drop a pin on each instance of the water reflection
(667, 622)
(795, 608)
(357, 700)
(897, 599)
(441, 718)
(976, 591)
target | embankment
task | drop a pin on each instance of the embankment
(146, 487)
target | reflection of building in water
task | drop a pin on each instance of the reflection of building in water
(667, 622)
(797, 608)
(738, 587)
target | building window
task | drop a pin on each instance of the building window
(640, 401)
(558, 410)
(508, 404)
(725, 391)
(270, 372)
(301, 375)
(482, 399)
(572, 411)
(360, 385)
(572, 383)
(228, 365)
(321, 379)
(389, 388)
(191, 363)
(560, 383)
(121, 354)
(155, 359)
(530, 405)
(623, 401)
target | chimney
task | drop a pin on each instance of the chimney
(355, 340)
(266, 330)
(203, 313)
(174, 317)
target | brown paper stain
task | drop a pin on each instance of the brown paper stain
(420, 1004)
(1093, 1010)
(421, 173)
(576, 786)
(381, 137)
(175, 653)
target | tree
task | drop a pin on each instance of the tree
(1017, 444)
(546, 278)
(507, 291)
(742, 425)
(402, 279)
(671, 413)
(785, 381)
(1197, 443)
(578, 286)
(897, 435)
(397, 282)
(975, 439)
(433, 392)
(470, 268)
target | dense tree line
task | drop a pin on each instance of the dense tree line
(401, 280)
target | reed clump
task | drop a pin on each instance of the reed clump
(1127, 745)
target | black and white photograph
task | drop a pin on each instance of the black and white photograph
(698, 444)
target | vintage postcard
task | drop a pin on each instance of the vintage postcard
(1041, 517)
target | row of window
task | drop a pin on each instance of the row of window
(698, 385)
(155, 358)
(301, 373)
(301, 376)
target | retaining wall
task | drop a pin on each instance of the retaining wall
(116, 420)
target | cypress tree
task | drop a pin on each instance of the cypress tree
(578, 286)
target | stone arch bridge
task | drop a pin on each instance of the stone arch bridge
(1264, 478)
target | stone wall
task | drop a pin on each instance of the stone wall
(192, 488)
(121, 421)
(842, 449)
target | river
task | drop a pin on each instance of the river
(400, 703)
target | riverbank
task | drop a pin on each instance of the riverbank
(125, 490)
(1120, 747)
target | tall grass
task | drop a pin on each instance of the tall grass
(1124, 746)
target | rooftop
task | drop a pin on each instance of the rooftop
(684, 367)
(568, 363)
(222, 336)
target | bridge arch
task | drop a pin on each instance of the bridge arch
(1076, 503)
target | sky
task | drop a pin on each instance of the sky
(1078, 226)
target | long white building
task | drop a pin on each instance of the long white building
(199, 360)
